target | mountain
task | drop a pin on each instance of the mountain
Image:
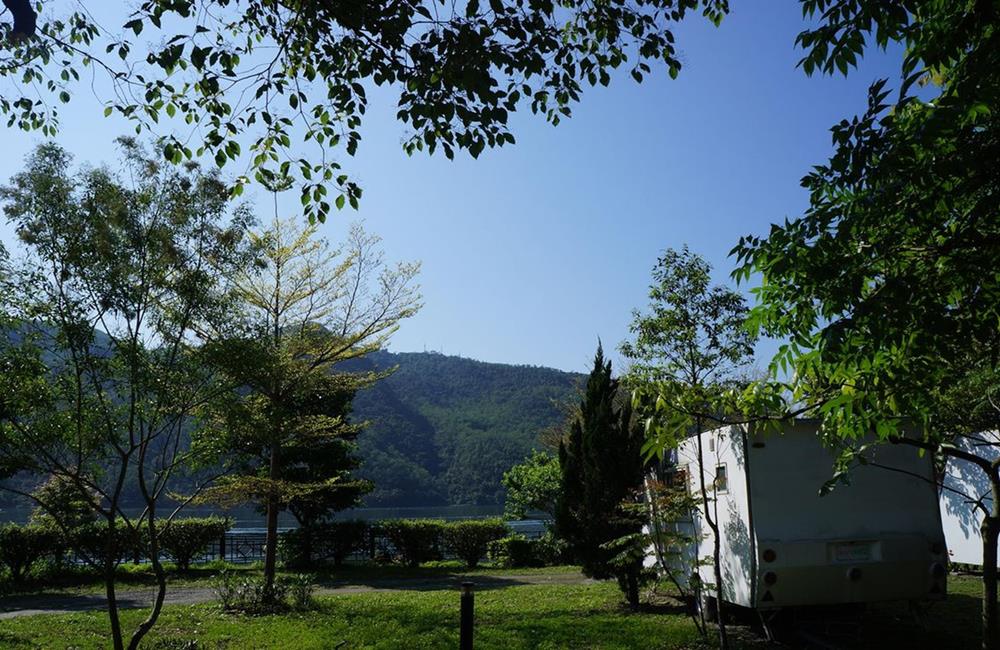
(444, 429)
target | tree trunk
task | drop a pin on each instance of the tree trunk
(716, 544)
(110, 553)
(271, 541)
(633, 589)
(990, 530)
(161, 580)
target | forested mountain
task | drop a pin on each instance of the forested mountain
(444, 429)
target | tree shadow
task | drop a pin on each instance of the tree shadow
(416, 580)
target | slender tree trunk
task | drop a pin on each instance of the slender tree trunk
(990, 531)
(716, 543)
(271, 541)
(633, 589)
(110, 553)
(161, 581)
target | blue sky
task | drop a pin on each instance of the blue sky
(534, 251)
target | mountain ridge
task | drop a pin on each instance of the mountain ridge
(444, 428)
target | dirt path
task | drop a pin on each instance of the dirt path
(65, 603)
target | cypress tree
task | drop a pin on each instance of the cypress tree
(602, 468)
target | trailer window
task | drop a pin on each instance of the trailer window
(721, 479)
(679, 479)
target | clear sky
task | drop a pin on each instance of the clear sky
(534, 251)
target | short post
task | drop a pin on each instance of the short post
(222, 547)
(468, 616)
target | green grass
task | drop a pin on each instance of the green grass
(577, 616)
(514, 616)
(136, 576)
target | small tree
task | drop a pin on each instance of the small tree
(601, 467)
(100, 379)
(686, 353)
(303, 309)
(534, 484)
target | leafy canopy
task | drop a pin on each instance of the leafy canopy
(886, 289)
(286, 76)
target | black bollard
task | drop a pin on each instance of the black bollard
(468, 616)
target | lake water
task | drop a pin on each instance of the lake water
(249, 519)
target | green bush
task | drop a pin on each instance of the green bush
(512, 551)
(91, 540)
(469, 539)
(334, 541)
(185, 539)
(415, 540)
(516, 551)
(550, 550)
(21, 547)
(300, 591)
(246, 594)
(345, 538)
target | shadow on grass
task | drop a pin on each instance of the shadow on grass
(417, 579)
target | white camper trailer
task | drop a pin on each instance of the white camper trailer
(783, 545)
(963, 485)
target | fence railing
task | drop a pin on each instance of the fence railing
(245, 546)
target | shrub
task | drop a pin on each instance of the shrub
(185, 539)
(516, 551)
(469, 540)
(300, 591)
(346, 538)
(91, 540)
(332, 541)
(415, 540)
(248, 594)
(21, 547)
(512, 551)
(550, 550)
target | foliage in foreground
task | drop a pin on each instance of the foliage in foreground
(460, 70)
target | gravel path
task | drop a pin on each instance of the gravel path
(16, 606)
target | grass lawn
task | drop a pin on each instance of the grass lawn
(518, 616)
(550, 616)
(84, 581)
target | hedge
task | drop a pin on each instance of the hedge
(469, 540)
(21, 547)
(185, 539)
(515, 551)
(416, 540)
(320, 542)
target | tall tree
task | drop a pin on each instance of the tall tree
(687, 355)
(887, 289)
(602, 468)
(101, 381)
(266, 71)
(304, 308)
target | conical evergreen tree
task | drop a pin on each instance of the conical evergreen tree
(602, 467)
